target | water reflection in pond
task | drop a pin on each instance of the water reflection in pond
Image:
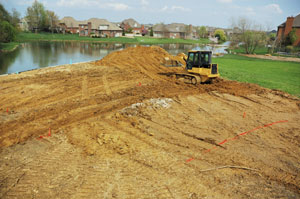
(42, 54)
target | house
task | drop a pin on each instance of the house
(131, 24)
(69, 24)
(93, 26)
(23, 24)
(285, 28)
(159, 30)
(174, 30)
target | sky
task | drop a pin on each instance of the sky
(216, 13)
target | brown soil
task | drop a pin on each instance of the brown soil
(277, 58)
(123, 128)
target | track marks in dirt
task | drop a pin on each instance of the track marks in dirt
(106, 85)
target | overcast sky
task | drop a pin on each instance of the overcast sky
(216, 13)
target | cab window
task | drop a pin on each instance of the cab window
(190, 61)
(204, 59)
(191, 58)
(196, 62)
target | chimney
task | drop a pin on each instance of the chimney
(288, 25)
(89, 28)
(190, 28)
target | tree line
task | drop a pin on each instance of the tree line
(40, 19)
(8, 25)
(37, 17)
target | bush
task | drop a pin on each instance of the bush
(290, 38)
(7, 32)
(220, 34)
(289, 49)
(151, 32)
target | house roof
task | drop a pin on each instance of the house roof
(296, 22)
(174, 27)
(159, 27)
(71, 22)
(282, 25)
(132, 23)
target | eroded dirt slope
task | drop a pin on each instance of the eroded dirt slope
(122, 128)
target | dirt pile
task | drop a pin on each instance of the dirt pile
(147, 59)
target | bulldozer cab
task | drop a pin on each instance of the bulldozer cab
(198, 59)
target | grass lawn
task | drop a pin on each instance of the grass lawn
(22, 37)
(280, 75)
(7, 47)
(258, 50)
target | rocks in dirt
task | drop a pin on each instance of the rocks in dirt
(153, 103)
(161, 102)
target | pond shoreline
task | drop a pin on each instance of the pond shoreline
(24, 37)
(39, 54)
(16, 45)
(54, 67)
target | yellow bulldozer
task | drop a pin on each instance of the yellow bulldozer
(198, 67)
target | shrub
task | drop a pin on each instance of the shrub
(289, 49)
(290, 38)
(151, 32)
(7, 32)
(220, 34)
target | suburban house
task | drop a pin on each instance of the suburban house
(132, 24)
(93, 26)
(174, 30)
(23, 24)
(285, 28)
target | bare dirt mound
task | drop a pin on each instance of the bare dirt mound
(64, 95)
(123, 128)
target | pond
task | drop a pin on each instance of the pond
(33, 55)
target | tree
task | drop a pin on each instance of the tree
(290, 38)
(36, 16)
(15, 18)
(7, 32)
(249, 33)
(144, 32)
(252, 39)
(129, 30)
(52, 20)
(4, 15)
(202, 32)
(151, 32)
(220, 34)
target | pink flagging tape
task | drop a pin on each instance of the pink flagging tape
(188, 160)
(223, 142)
(41, 137)
(236, 137)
